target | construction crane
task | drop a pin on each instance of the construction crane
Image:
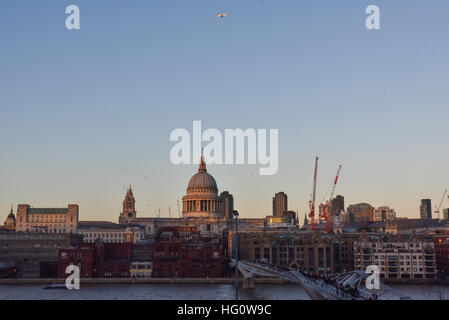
(312, 201)
(179, 210)
(437, 209)
(169, 212)
(324, 208)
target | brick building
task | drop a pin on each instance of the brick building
(442, 254)
(182, 252)
(82, 256)
(99, 260)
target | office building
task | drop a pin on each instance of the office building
(426, 209)
(279, 204)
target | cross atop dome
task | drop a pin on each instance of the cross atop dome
(202, 167)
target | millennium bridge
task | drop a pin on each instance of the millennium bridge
(342, 286)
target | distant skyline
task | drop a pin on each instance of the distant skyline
(88, 112)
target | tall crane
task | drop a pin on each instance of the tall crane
(312, 201)
(325, 208)
(179, 211)
(437, 209)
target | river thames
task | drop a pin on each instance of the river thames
(195, 292)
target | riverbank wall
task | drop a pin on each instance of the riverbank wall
(416, 281)
(45, 281)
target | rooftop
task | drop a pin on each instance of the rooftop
(100, 225)
(47, 210)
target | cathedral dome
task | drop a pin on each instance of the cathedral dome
(202, 200)
(11, 215)
(202, 180)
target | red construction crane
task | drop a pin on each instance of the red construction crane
(312, 202)
(326, 207)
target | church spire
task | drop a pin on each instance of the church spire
(129, 192)
(129, 206)
(202, 163)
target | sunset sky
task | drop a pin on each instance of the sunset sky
(86, 113)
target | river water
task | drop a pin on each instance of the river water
(195, 292)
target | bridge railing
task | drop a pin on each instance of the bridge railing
(317, 284)
(320, 285)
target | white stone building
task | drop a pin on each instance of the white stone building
(384, 213)
(397, 257)
(110, 232)
(48, 220)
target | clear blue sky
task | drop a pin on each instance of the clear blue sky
(86, 112)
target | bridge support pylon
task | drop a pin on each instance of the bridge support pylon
(248, 283)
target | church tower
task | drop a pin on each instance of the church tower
(10, 223)
(129, 207)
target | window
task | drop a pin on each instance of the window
(257, 253)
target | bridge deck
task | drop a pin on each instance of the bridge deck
(317, 289)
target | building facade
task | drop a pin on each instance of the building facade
(442, 254)
(34, 254)
(47, 220)
(110, 232)
(97, 260)
(314, 252)
(337, 208)
(398, 257)
(361, 212)
(228, 204)
(182, 252)
(280, 204)
(383, 214)
(426, 209)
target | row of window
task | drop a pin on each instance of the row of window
(52, 219)
(106, 235)
(46, 230)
